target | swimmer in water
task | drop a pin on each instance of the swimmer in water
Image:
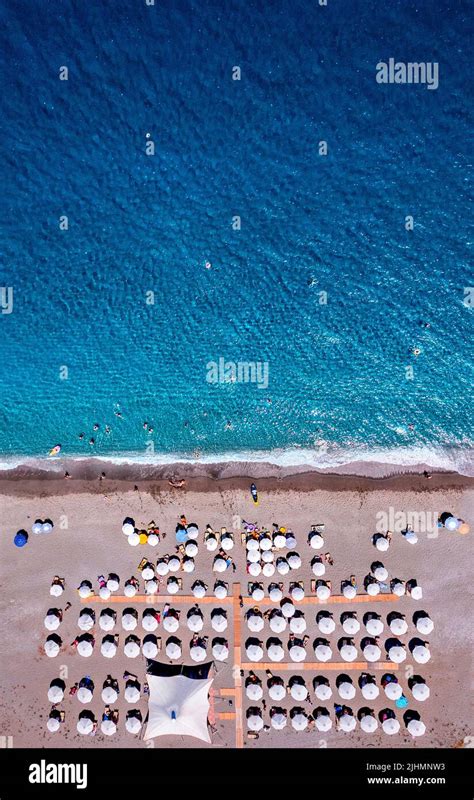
(107, 429)
(416, 351)
(91, 441)
(145, 425)
(81, 436)
(96, 426)
(208, 265)
(150, 430)
(228, 425)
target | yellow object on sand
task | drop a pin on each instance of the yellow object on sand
(464, 528)
(143, 538)
(282, 530)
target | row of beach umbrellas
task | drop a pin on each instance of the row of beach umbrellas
(299, 720)
(86, 723)
(369, 649)
(278, 622)
(345, 688)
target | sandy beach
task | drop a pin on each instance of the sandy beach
(87, 541)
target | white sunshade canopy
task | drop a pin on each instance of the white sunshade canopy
(297, 653)
(195, 622)
(171, 624)
(104, 592)
(220, 591)
(173, 650)
(132, 694)
(189, 564)
(254, 691)
(416, 727)
(162, 568)
(370, 691)
(255, 623)
(56, 589)
(275, 594)
(294, 560)
(254, 652)
(349, 591)
(278, 721)
(316, 541)
(299, 692)
(211, 543)
(374, 626)
(369, 724)
(153, 539)
(299, 722)
(253, 556)
(382, 544)
(347, 723)
(297, 593)
(390, 726)
(323, 652)
(84, 695)
(172, 586)
(85, 649)
(397, 654)
(132, 649)
(267, 556)
(255, 722)
(398, 588)
(268, 569)
(373, 589)
(381, 573)
(421, 654)
(398, 626)
(129, 622)
(348, 652)
(278, 623)
(323, 691)
(220, 652)
(297, 624)
(53, 724)
(149, 622)
(55, 694)
(326, 625)
(346, 690)
(351, 626)
(134, 539)
(129, 590)
(133, 725)
(258, 594)
(150, 649)
(178, 706)
(372, 652)
(148, 572)
(255, 569)
(323, 723)
(151, 587)
(84, 725)
(425, 625)
(277, 691)
(318, 568)
(393, 690)
(199, 590)
(108, 727)
(109, 695)
(174, 564)
(52, 622)
(420, 691)
(227, 542)
(282, 566)
(279, 540)
(276, 652)
(106, 621)
(113, 585)
(323, 592)
(219, 622)
(197, 653)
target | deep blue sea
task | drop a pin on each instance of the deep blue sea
(83, 339)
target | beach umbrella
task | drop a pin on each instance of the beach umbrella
(109, 695)
(107, 620)
(398, 626)
(53, 724)
(220, 564)
(451, 523)
(85, 648)
(351, 626)
(84, 695)
(254, 652)
(134, 539)
(131, 649)
(290, 540)
(323, 652)
(220, 651)
(287, 608)
(255, 722)
(318, 568)
(425, 625)
(252, 544)
(153, 539)
(416, 593)
(348, 652)
(129, 590)
(316, 541)
(421, 654)
(323, 591)
(374, 626)
(162, 567)
(277, 691)
(37, 527)
(398, 588)
(349, 591)
(297, 653)
(282, 566)
(255, 623)
(323, 722)
(268, 570)
(108, 727)
(255, 569)
(411, 537)
(276, 652)
(85, 589)
(257, 594)
(52, 622)
(84, 725)
(266, 543)
(278, 721)
(172, 585)
(299, 721)
(275, 594)
(390, 726)
(326, 624)
(129, 622)
(393, 690)
(195, 622)
(380, 573)
(267, 556)
(113, 584)
(368, 723)
(104, 592)
(211, 543)
(253, 557)
(170, 623)
(192, 531)
(46, 527)
(294, 560)
(131, 693)
(197, 653)
(108, 648)
(278, 623)
(279, 541)
(20, 539)
(420, 692)
(148, 572)
(254, 691)
(55, 693)
(128, 528)
(297, 593)
(373, 589)
(174, 563)
(149, 622)
(397, 654)
(372, 652)
(297, 624)
(188, 564)
(299, 692)
(416, 727)
(346, 690)
(347, 723)
(370, 691)
(227, 542)
(382, 544)
(220, 590)
(219, 622)
(133, 724)
(56, 589)
(198, 589)
(150, 648)
(173, 650)
(323, 691)
(191, 548)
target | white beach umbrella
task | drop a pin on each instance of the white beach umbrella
(149, 622)
(197, 653)
(370, 691)
(398, 626)
(173, 650)
(255, 722)
(131, 694)
(253, 556)
(106, 621)
(294, 560)
(323, 691)
(299, 692)
(420, 692)
(421, 654)
(297, 624)
(85, 648)
(108, 649)
(199, 590)
(323, 592)
(255, 623)
(267, 556)
(211, 543)
(192, 531)
(55, 694)
(299, 722)
(390, 726)
(258, 594)
(174, 563)
(416, 727)
(108, 727)
(170, 624)
(150, 649)
(84, 695)
(268, 570)
(219, 622)
(227, 542)
(276, 652)
(393, 690)
(282, 566)
(131, 649)
(129, 622)
(326, 625)
(46, 527)
(346, 690)
(373, 589)
(220, 564)
(162, 568)
(297, 593)
(297, 653)
(351, 626)
(52, 622)
(348, 652)
(277, 691)
(416, 593)
(129, 590)
(254, 691)
(53, 724)
(109, 695)
(287, 608)
(266, 543)
(104, 592)
(382, 544)
(153, 539)
(128, 528)
(85, 590)
(347, 723)
(220, 651)
(316, 541)
(133, 725)
(134, 539)
(279, 541)
(381, 573)
(255, 569)
(252, 544)
(84, 726)
(397, 654)
(323, 723)
(37, 527)
(189, 565)
(148, 572)
(323, 652)
(220, 591)
(278, 721)
(172, 585)
(56, 589)
(369, 724)
(290, 540)
(254, 652)
(372, 652)
(411, 537)
(113, 585)
(349, 591)
(318, 568)
(191, 548)
(278, 623)
(374, 626)
(275, 594)
(425, 625)
(195, 622)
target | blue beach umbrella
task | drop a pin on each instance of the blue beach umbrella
(181, 535)
(402, 702)
(20, 539)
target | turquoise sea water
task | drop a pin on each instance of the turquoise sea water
(338, 384)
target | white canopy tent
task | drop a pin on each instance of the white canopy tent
(178, 706)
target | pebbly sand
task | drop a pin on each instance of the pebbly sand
(92, 544)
